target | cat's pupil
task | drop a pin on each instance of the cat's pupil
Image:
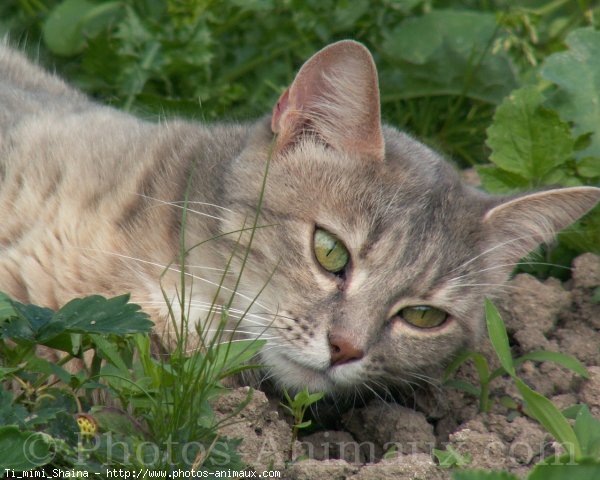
(423, 316)
(330, 252)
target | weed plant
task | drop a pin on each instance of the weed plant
(580, 442)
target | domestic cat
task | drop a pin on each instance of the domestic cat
(370, 260)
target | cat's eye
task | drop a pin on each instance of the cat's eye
(423, 316)
(330, 252)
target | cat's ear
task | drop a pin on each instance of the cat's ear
(335, 96)
(517, 226)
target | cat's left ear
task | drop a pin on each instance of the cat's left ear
(335, 96)
(517, 226)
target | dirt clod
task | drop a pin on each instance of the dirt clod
(381, 426)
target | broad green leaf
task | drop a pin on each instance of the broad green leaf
(23, 450)
(482, 475)
(231, 356)
(562, 359)
(447, 52)
(70, 23)
(589, 167)
(577, 74)
(499, 337)
(528, 139)
(550, 417)
(587, 429)
(566, 469)
(93, 314)
(96, 314)
(572, 411)
(497, 180)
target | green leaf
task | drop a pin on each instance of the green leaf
(562, 359)
(577, 74)
(11, 413)
(589, 167)
(497, 180)
(499, 337)
(451, 458)
(109, 352)
(587, 429)
(482, 475)
(231, 356)
(4, 371)
(305, 424)
(566, 469)
(6, 308)
(96, 314)
(526, 138)
(23, 450)
(113, 420)
(40, 365)
(69, 24)
(447, 52)
(545, 412)
(93, 314)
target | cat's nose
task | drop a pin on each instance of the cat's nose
(343, 350)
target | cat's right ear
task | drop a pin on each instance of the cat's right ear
(334, 96)
(517, 226)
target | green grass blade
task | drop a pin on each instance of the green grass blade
(499, 337)
(566, 361)
(545, 412)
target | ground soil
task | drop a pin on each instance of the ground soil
(547, 315)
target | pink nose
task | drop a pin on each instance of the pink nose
(342, 350)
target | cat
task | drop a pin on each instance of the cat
(370, 258)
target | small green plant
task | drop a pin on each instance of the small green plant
(581, 442)
(486, 376)
(297, 408)
(450, 458)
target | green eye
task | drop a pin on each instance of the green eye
(330, 252)
(423, 316)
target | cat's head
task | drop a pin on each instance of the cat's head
(374, 257)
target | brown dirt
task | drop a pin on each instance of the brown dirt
(539, 315)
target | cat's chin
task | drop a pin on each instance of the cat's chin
(294, 376)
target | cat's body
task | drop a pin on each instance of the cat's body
(92, 202)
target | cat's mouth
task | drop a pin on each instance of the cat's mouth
(293, 374)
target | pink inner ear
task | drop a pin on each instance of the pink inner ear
(336, 93)
(280, 107)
